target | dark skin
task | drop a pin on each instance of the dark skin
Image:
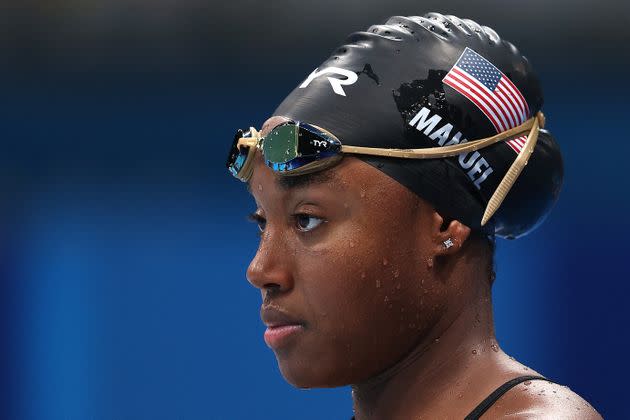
(386, 308)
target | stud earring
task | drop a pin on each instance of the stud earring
(448, 243)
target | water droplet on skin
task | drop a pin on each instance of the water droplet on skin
(351, 244)
(259, 187)
(429, 262)
(385, 262)
(386, 299)
(494, 347)
(460, 396)
(511, 358)
(378, 284)
(362, 193)
(396, 273)
(527, 382)
(437, 340)
(474, 351)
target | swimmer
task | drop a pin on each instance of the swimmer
(382, 182)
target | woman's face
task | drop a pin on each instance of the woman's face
(347, 258)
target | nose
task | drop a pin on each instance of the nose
(270, 267)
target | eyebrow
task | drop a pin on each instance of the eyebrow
(292, 182)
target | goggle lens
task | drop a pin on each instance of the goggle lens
(281, 145)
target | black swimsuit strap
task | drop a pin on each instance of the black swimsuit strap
(497, 393)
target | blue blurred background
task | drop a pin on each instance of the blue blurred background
(124, 241)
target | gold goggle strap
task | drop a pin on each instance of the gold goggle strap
(512, 174)
(248, 167)
(250, 141)
(445, 151)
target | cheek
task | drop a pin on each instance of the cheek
(366, 299)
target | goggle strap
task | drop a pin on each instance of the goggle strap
(446, 151)
(512, 174)
(252, 142)
(247, 142)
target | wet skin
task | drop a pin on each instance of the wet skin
(358, 261)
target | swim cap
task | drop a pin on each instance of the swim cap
(430, 81)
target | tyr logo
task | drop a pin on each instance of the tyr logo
(351, 78)
(318, 143)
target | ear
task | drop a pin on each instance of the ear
(442, 232)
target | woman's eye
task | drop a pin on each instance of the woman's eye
(306, 222)
(259, 220)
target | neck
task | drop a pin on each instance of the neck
(437, 366)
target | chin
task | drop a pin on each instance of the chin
(302, 373)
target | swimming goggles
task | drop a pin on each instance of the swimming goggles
(297, 148)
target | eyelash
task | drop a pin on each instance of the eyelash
(256, 218)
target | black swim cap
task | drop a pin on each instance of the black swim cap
(429, 81)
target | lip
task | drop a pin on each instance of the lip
(277, 337)
(281, 326)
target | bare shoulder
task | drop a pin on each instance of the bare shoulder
(541, 399)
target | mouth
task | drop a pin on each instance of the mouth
(277, 337)
(282, 327)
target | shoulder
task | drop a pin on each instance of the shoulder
(541, 399)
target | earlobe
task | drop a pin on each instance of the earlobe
(449, 239)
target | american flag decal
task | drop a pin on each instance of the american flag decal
(491, 91)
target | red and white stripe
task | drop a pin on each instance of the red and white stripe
(517, 144)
